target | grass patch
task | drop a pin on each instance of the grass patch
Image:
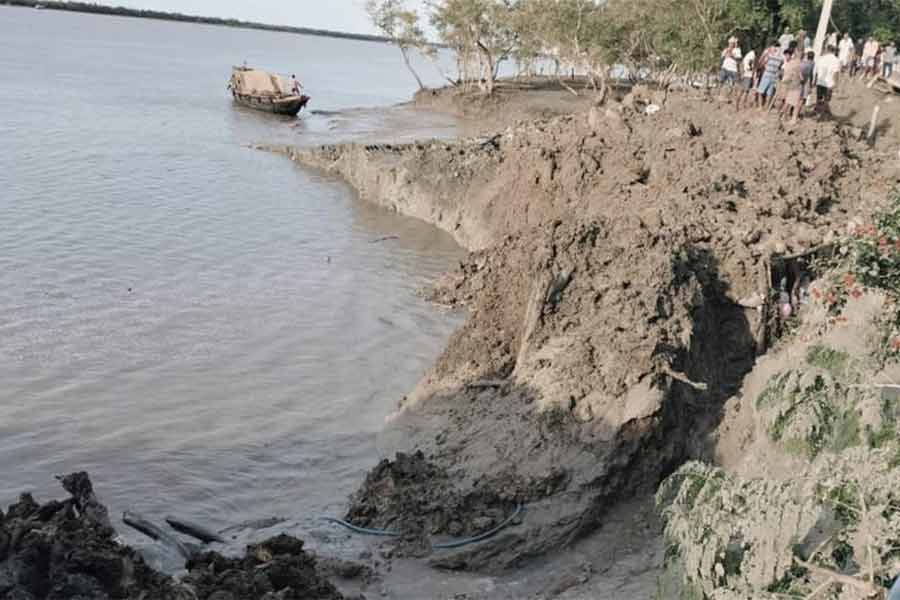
(844, 501)
(846, 431)
(836, 362)
(695, 486)
(785, 584)
(773, 391)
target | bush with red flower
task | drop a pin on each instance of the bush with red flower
(874, 253)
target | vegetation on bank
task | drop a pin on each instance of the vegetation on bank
(652, 37)
(827, 526)
(122, 11)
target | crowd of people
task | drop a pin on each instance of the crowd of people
(788, 77)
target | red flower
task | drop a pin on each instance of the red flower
(849, 280)
(895, 344)
(871, 230)
(897, 244)
(856, 293)
(816, 293)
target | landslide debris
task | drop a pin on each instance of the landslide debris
(277, 569)
(415, 498)
(68, 550)
(619, 290)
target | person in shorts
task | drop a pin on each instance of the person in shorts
(888, 56)
(869, 55)
(807, 72)
(845, 51)
(731, 56)
(748, 79)
(772, 60)
(791, 84)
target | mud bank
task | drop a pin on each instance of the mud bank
(618, 293)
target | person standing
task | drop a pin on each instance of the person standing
(856, 59)
(296, 86)
(828, 66)
(888, 56)
(832, 39)
(791, 84)
(731, 55)
(748, 78)
(845, 50)
(807, 72)
(869, 54)
(785, 40)
(772, 59)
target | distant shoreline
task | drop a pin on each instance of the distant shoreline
(122, 11)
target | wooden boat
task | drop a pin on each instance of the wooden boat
(264, 91)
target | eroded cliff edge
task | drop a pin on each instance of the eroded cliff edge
(619, 291)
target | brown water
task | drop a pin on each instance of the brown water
(209, 330)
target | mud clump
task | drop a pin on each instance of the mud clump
(277, 569)
(67, 550)
(417, 499)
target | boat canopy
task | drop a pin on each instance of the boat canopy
(258, 83)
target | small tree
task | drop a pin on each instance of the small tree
(401, 26)
(477, 29)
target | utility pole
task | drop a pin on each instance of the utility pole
(822, 31)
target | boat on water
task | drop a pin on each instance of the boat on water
(268, 92)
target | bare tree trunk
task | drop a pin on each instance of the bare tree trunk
(409, 66)
(488, 69)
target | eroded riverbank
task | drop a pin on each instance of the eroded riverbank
(618, 295)
(622, 283)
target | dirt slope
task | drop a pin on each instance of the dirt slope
(620, 260)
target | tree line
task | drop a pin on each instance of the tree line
(653, 38)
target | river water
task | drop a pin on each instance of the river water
(208, 329)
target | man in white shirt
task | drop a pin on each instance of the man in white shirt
(870, 51)
(845, 50)
(748, 78)
(785, 40)
(731, 56)
(826, 74)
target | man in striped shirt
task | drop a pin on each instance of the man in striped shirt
(771, 62)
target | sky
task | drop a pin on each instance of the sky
(336, 15)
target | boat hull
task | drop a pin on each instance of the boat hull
(290, 105)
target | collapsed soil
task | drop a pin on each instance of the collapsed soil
(617, 292)
(68, 550)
